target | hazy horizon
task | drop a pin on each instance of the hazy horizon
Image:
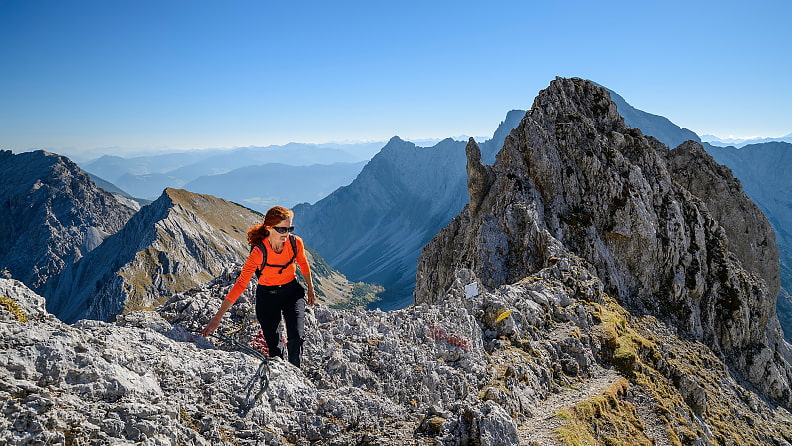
(82, 156)
(87, 155)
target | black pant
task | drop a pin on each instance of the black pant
(289, 300)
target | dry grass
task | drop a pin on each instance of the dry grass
(12, 307)
(603, 420)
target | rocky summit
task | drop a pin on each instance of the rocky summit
(180, 240)
(589, 293)
(51, 215)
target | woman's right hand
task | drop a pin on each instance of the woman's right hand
(211, 326)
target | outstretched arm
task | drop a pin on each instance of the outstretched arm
(254, 259)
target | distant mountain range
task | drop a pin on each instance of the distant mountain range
(147, 176)
(742, 142)
(262, 186)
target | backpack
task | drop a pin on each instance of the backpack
(263, 249)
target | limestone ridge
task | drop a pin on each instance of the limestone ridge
(750, 236)
(764, 171)
(178, 241)
(573, 179)
(51, 215)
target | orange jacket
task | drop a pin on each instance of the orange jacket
(270, 275)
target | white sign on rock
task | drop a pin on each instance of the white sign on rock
(471, 290)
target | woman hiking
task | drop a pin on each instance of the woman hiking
(278, 292)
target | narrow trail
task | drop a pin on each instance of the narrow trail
(653, 427)
(539, 430)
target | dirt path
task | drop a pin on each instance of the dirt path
(539, 429)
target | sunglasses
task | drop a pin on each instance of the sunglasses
(283, 229)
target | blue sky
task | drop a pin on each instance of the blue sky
(207, 73)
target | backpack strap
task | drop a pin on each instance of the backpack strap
(263, 249)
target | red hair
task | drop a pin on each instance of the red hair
(259, 232)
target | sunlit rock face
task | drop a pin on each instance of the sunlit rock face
(669, 232)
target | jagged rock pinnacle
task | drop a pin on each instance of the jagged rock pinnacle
(479, 175)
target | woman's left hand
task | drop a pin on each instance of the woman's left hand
(311, 297)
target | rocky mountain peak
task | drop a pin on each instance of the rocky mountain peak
(396, 142)
(223, 215)
(573, 180)
(52, 215)
(178, 241)
(575, 100)
(402, 197)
